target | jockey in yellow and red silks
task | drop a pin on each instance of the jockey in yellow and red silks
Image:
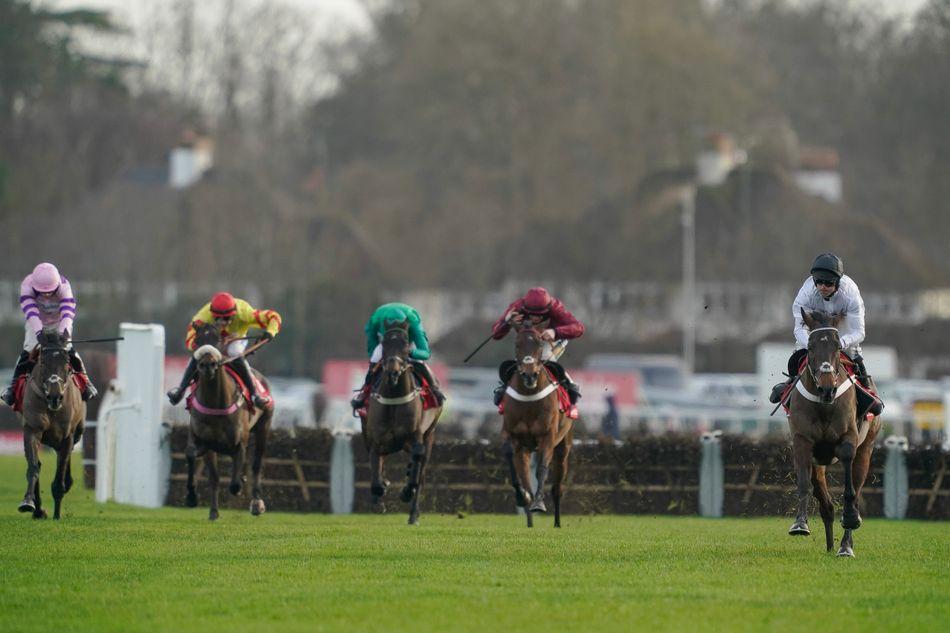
(47, 301)
(235, 317)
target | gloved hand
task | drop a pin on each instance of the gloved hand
(514, 317)
(548, 335)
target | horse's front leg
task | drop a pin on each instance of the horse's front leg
(31, 500)
(522, 498)
(63, 454)
(237, 468)
(420, 457)
(191, 455)
(850, 518)
(545, 455)
(523, 468)
(417, 455)
(377, 487)
(211, 465)
(802, 458)
(261, 429)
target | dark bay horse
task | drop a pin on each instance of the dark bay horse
(824, 423)
(396, 421)
(220, 423)
(53, 415)
(533, 422)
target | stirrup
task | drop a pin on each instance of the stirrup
(90, 392)
(260, 401)
(573, 413)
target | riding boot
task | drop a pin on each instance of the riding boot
(175, 394)
(426, 372)
(243, 369)
(505, 371)
(861, 373)
(573, 393)
(779, 389)
(499, 394)
(23, 366)
(76, 363)
(360, 400)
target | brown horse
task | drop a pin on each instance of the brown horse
(396, 421)
(220, 423)
(54, 415)
(533, 422)
(824, 422)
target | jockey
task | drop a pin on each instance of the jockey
(47, 301)
(235, 317)
(419, 347)
(828, 289)
(559, 326)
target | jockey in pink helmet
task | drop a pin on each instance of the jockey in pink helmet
(47, 301)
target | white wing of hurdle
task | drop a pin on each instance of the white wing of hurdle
(133, 458)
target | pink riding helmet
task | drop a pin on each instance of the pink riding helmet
(45, 278)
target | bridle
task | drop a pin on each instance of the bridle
(403, 337)
(826, 367)
(53, 380)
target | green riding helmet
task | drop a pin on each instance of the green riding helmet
(827, 267)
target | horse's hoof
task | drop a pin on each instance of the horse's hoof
(846, 552)
(235, 488)
(40, 514)
(26, 506)
(377, 492)
(213, 515)
(191, 500)
(538, 505)
(379, 507)
(414, 521)
(407, 493)
(799, 528)
(851, 522)
(257, 507)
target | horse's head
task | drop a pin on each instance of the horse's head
(207, 348)
(395, 350)
(528, 345)
(824, 346)
(206, 334)
(53, 369)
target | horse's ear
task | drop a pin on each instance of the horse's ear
(387, 324)
(836, 319)
(808, 319)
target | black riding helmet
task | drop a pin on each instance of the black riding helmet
(827, 267)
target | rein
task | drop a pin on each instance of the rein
(398, 400)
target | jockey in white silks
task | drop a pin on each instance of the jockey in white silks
(828, 289)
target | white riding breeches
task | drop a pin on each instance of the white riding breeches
(553, 351)
(237, 347)
(377, 354)
(29, 338)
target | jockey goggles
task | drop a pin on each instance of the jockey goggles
(830, 283)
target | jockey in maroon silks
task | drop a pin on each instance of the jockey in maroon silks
(557, 326)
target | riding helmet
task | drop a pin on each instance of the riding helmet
(537, 301)
(828, 267)
(45, 278)
(223, 305)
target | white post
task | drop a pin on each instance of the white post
(711, 476)
(142, 457)
(946, 414)
(689, 277)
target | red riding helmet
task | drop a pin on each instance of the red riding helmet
(223, 305)
(537, 301)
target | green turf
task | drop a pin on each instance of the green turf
(114, 568)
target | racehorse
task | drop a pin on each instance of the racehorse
(534, 422)
(396, 420)
(826, 424)
(53, 414)
(221, 423)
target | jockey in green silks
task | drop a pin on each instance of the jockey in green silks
(418, 341)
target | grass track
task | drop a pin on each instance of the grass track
(114, 568)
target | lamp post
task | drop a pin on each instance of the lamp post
(688, 220)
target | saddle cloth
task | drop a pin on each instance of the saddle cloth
(19, 389)
(864, 403)
(248, 404)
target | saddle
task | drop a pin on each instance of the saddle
(259, 386)
(428, 397)
(555, 374)
(19, 388)
(865, 396)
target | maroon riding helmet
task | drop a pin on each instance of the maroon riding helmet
(537, 301)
